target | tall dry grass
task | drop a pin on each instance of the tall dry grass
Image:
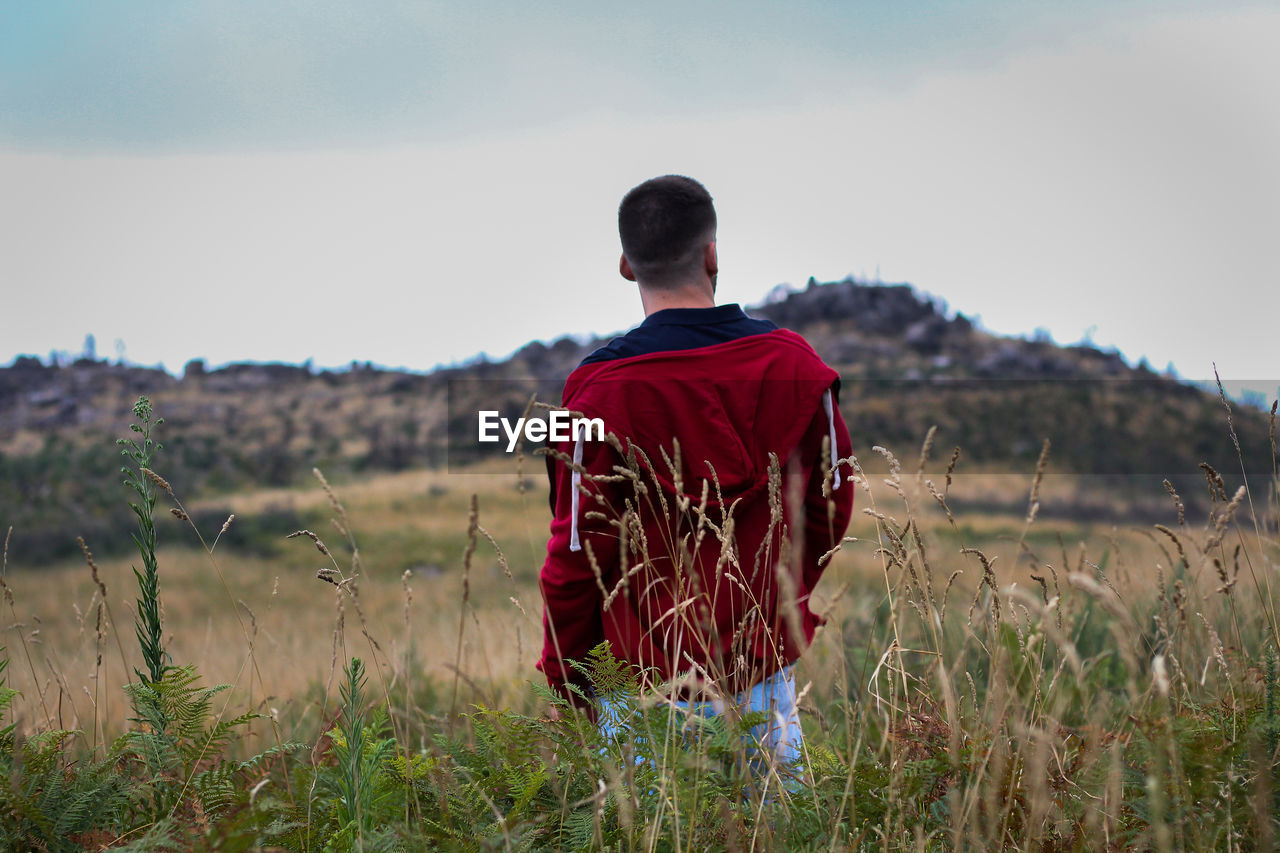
(983, 683)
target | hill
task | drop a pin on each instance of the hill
(906, 365)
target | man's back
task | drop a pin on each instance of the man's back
(701, 558)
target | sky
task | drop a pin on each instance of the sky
(415, 183)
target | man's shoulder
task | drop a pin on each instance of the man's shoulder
(623, 346)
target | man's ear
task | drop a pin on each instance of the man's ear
(625, 269)
(710, 262)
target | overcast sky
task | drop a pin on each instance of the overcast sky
(416, 183)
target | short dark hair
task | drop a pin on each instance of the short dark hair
(662, 223)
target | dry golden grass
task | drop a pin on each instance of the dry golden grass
(270, 630)
(1022, 662)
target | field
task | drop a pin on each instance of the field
(985, 681)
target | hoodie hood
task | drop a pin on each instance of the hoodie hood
(731, 405)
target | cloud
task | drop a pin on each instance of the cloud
(1125, 181)
(242, 75)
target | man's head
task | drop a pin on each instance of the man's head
(668, 231)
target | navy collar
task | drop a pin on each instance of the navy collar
(695, 316)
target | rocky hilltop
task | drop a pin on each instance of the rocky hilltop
(906, 365)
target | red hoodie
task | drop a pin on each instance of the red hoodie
(678, 590)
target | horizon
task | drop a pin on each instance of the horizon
(1254, 391)
(90, 348)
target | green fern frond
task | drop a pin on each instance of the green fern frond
(42, 750)
(206, 743)
(49, 799)
(147, 621)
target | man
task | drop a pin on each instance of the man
(692, 538)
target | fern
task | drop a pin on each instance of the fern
(141, 452)
(182, 762)
(52, 802)
(608, 675)
(361, 794)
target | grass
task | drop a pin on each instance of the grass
(402, 525)
(985, 682)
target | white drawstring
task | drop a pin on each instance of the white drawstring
(576, 481)
(827, 403)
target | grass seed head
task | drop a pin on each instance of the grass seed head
(925, 448)
(159, 481)
(320, 546)
(93, 566)
(1177, 502)
(1217, 486)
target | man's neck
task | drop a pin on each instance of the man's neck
(654, 300)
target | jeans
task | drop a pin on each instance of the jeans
(779, 737)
